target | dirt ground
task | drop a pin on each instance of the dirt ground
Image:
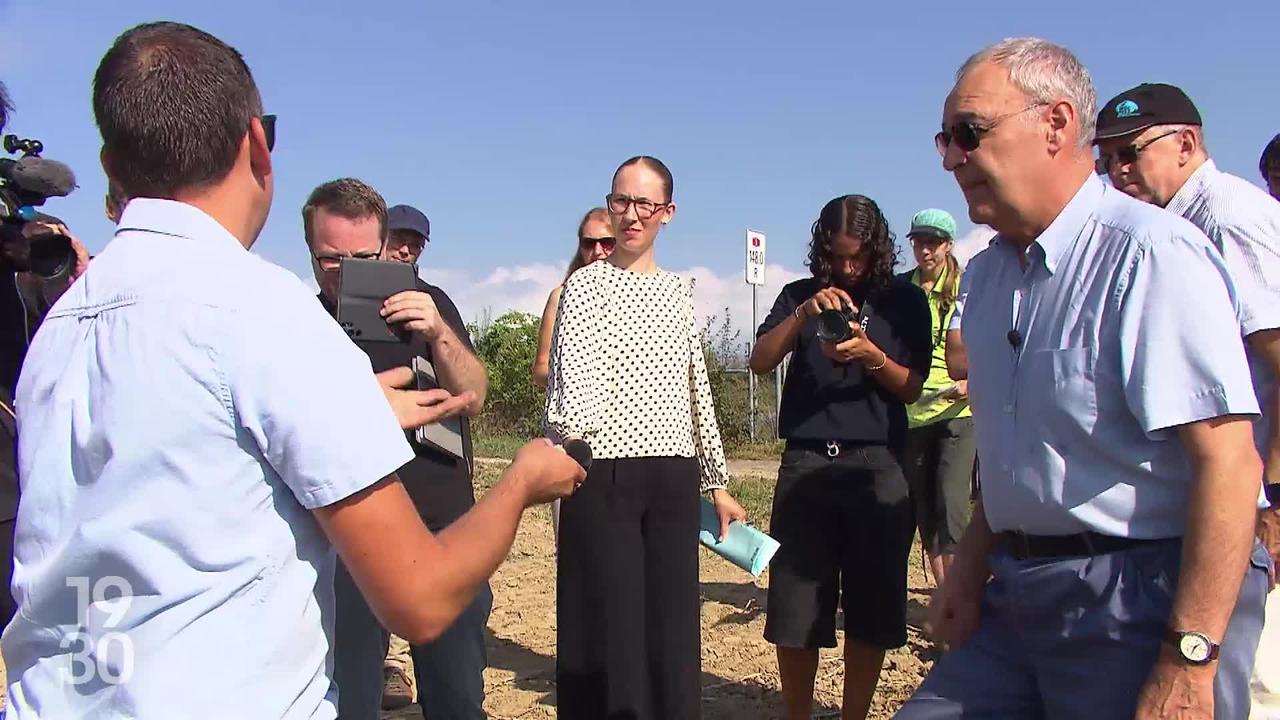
(739, 669)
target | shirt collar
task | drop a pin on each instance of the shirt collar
(1062, 232)
(170, 217)
(1194, 187)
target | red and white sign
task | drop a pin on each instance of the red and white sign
(755, 257)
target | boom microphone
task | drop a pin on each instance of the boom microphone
(36, 175)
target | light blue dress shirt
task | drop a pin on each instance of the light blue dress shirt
(1243, 222)
(1129, 326)
(182, 409)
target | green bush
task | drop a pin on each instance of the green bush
(507, 347)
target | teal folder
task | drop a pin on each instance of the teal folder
(744, 546)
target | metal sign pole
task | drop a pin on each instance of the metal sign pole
(751, 377)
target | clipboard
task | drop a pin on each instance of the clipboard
(446, 435)
(363, 287)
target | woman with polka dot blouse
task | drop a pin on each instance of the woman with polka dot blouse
(628, 375)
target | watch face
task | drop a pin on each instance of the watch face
(1195, 647)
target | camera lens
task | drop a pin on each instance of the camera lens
(51, 255)
(833, 326)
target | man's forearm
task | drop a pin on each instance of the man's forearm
(458, 369)
(1219, 536)
(973, 552)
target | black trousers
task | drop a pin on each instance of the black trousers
(629, 645)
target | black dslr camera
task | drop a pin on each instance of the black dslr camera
(25, 184)
(833, 325)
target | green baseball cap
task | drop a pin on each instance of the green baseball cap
(933, 223)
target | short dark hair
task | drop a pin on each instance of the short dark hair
(1270, 156)
(173, 104)
(6, 106)
(860, 217)
(345, 197)
(656, 165)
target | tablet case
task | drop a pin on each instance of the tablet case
(363, 287)
(445, 435)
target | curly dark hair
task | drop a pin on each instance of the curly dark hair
(860, 217)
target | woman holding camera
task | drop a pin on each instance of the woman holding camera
(859, 338)
(628, 375)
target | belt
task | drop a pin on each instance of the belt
(830, 448)
(1087, 544)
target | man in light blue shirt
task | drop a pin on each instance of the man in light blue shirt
(1113, 408)
(196, 436)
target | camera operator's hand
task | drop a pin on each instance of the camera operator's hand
(856, 349)
(545, 471)
(416, 310)
(415, 408)
(826, 299)
(82, 254)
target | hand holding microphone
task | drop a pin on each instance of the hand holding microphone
(551, 471)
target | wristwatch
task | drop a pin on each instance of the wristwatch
(1194, 647)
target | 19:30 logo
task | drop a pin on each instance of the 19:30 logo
(98, 650)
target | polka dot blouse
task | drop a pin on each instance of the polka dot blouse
(627, 372)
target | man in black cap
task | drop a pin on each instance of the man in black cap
(409, 231)
(1151, 143)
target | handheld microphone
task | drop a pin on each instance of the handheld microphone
(579, 450)
(1015, 339)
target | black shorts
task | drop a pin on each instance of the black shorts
(845, 527)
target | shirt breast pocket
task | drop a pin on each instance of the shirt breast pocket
(1058, 390)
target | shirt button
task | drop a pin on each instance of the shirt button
(1008, 408)
(1005, 467)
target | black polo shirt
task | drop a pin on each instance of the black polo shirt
(438, 484)
(822, 400)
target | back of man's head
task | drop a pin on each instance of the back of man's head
(173, 105)
(1269, 166)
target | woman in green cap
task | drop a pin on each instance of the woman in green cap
(938, 459)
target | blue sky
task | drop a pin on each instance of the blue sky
(503, 121)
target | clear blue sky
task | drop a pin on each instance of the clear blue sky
(504, 120)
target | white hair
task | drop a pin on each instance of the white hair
(1045, 72)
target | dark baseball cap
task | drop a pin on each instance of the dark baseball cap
(1147, 105)
(407, 217)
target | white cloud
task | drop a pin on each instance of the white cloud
(972, 243)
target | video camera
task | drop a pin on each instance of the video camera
(25, 184)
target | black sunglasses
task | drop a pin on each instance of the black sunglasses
(269, 128)
(967, 134)
(586, 243)
(1126, 155)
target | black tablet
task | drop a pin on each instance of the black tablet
(363, 286)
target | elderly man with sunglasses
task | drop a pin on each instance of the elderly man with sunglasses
(347, 218)
(1151, 144)
(1110, 569)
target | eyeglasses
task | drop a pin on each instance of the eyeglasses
(588, 243)
(967, 135)
(645, 208)
(269, 129)
(329, 263)
(1126, 155)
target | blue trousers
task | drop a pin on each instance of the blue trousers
(1077, 638)
(449, 671)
